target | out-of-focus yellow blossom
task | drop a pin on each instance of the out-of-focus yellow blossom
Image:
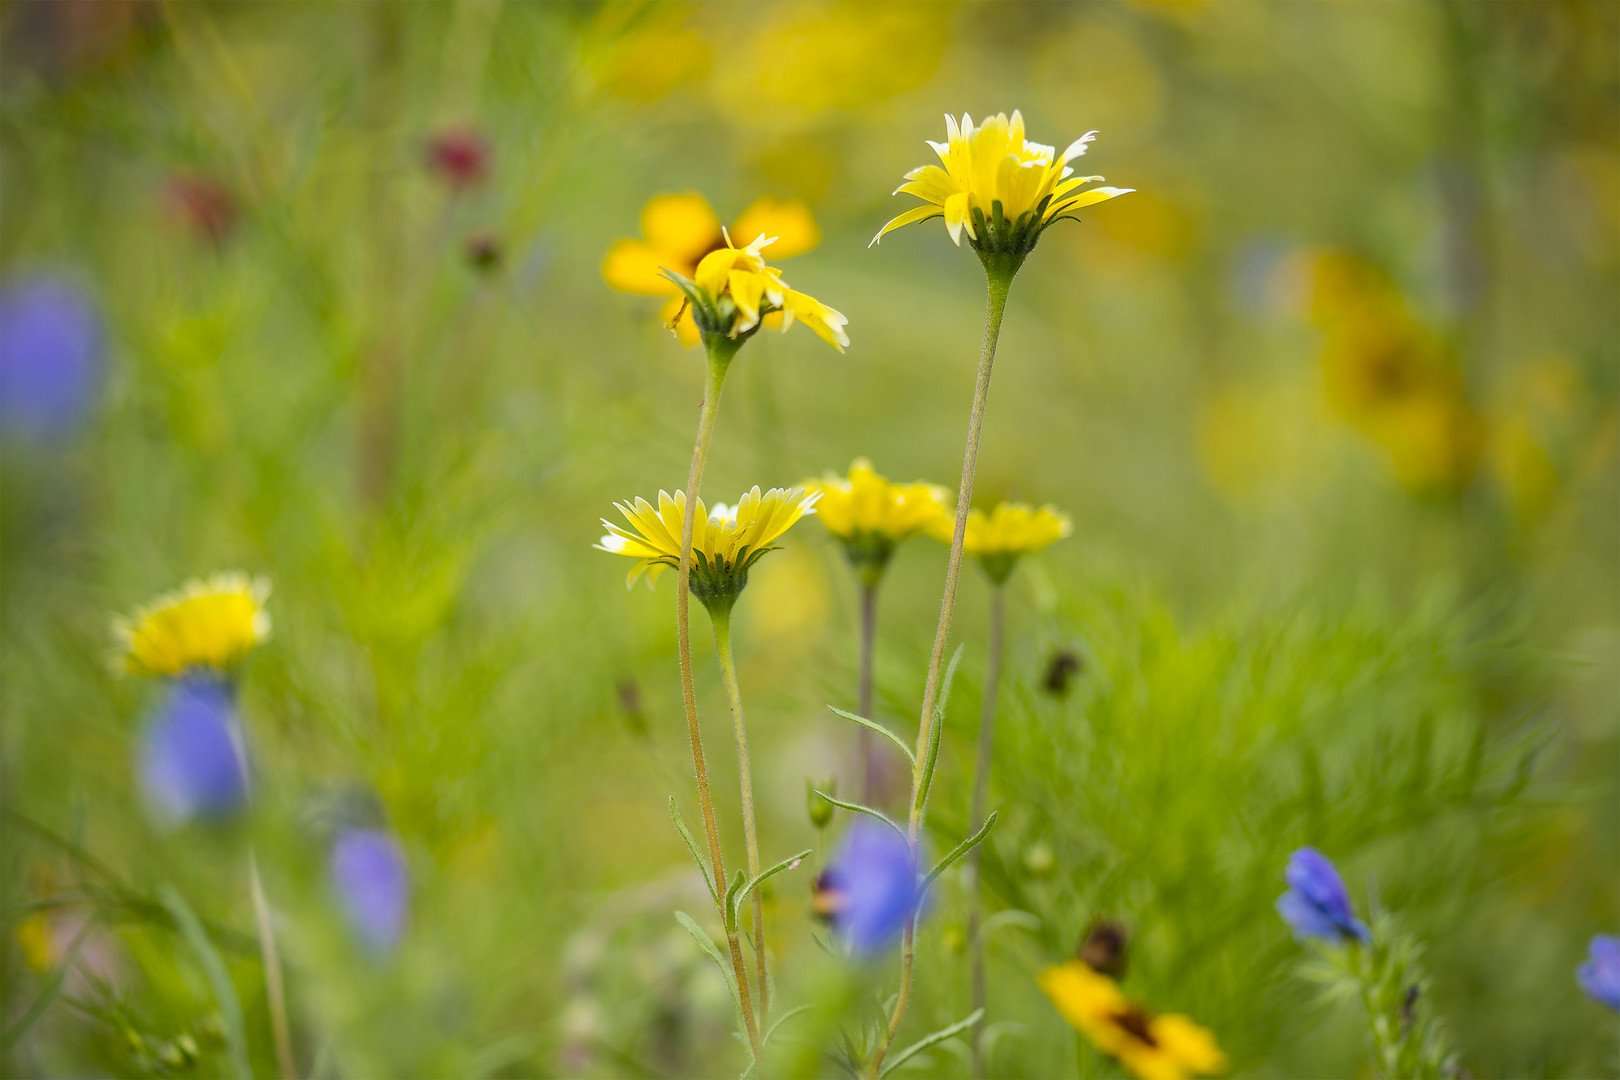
(679, 230)
(1433, 440)
(207, 622)
(1006, 534)
(792, 601)
(871, 515)
(35, 940)
(998, 187)
(726, 541)
(1169, 1047)
(733, 292)
(651, 61)
(1529, 432)
(1258, 441)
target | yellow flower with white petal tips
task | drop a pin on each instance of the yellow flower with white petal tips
(207, 622)
(870, 514)
(998, 187)
(726, 541)
(732, 291)
(678, 230)
(1006, 534)
(1153, 1047)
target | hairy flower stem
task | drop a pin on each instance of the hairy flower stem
(721, 616)
(1000, 280)
(719, 358)
(981, 790)
(869, 782)
(274, 991)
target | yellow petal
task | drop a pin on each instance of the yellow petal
(1085, 198)
(915, 214)
(713, 270)
(683, 227)
(956, 217)
(789, 220)
(632, 266)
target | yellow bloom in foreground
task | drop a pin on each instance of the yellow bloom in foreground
(732, 291)
(207, 622)
(871, 515)
(998, 187)
(678, 230)
(1152, 1047)
(1006, 534)
(726, 541)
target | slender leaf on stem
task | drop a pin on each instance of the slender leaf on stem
(880, 729)
(935, 730)
(926, 1041)
(737, 881)
(219, 979)
(867, 810)
(691, 845)
(735, 902)
(780, 1020)
(706, 943)
(960, 850)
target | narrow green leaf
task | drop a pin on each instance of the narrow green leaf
(219, 979)
(691, 845)
(938, 728)
(780, 1020)
(867, 810)
(706, 943)
(959, 850)
(880, 729)
(930, 1040)
(785, 864)
(737, 881)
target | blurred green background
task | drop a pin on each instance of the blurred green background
(1331, 400)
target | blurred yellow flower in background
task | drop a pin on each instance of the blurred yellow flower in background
(1006, 534)
(649, 60)
(677, 231)
(726, 541)
(207, 622)
(871, 515)
(1169, 1047)
(992, 164)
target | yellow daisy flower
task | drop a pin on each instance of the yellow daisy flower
(726, 541)
(678, 230)
(207, 622)
(871, 515)
(1153, 1047)
(1006, 534)
(998, 187)
(733, 292)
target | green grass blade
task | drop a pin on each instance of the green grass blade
(959, 850)
(933, 1039)
(219, 978)
(691, 845)
(867, 810)
(880, 729)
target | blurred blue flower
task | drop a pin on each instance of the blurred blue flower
(192, 763)
(51, 350)
(373, 884)
(1600, 975)
(1316, 904)
(870, 889)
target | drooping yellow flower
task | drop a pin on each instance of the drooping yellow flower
(207, 622)
(1006, 534)
(1153, 1047)
(726, 541)
(998, 187)
(733, 292)
(871, 515)
(679, 230)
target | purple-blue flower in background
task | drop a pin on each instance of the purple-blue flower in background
(192, 763)
(1316, 904)
(51, 358)
(373, 884)
(870, 889)
(1600, 975)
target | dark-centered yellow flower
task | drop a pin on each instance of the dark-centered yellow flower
(207, 622)
(870, 515)
(1006, 534)
(1153, 1047)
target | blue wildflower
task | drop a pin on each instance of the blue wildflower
(1600, 975)
(373, 885)
(1316, 904)
(191, 762)
(870, 889)
(50, 358)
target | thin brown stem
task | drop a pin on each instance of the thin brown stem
(275, 991)
(981, 791)
(869, 781)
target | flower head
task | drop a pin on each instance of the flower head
(51, 358)
(726, 541)
(206, 623)
(679, 230)
(998, 187)
(1600, 975)
(1153, 1047)
(200, 203)
(191, 762)
(373, 885)
(870, 889)
(732, 292)
(1006, 534)
(1316, 904)
(459, 156)
(871, 516)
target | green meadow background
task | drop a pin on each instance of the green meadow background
(1310, 604)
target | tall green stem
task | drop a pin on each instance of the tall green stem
(1000, 280)
(869, 785)
(274, 990)
(981, 790)
(719, 357)
(721, 616)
